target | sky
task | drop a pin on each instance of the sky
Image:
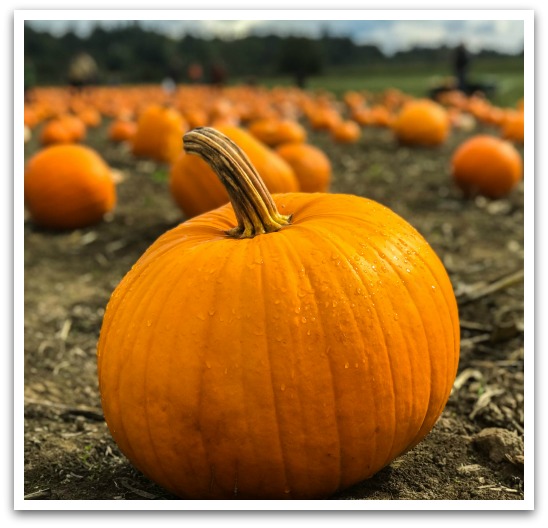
(390, 35)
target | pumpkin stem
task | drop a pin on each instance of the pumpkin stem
(255, 209)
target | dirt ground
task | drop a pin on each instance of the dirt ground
(474, 452)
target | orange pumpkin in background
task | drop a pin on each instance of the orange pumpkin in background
(279, 347)
(159, 134)
(512, 126)
(346, 132)
(421, 122)
(274, 131)
(487, 165)
(68, 187)
(55, 132)
(196, 189)
(121, 130)
(309, 163)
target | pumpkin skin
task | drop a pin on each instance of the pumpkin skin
(196, 189)
(486, 165)
(68, 187)
(289, 365)
(310, 164)
(421, 122)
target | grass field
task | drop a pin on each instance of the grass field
(417, 79)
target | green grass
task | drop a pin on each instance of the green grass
(418, 79)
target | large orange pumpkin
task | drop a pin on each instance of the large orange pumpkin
(421, 122)
(68, 187)
(487, 165)
(196, 189)
(277, 347)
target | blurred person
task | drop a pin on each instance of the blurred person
(195, 72)
(461, 64)
(83, 71)
(218, 74)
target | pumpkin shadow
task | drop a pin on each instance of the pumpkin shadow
(377, 487)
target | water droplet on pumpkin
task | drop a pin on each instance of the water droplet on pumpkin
(208, 364)
(149, 323)
(358, 291)
(303, 319)
(282, 387)
(433, 287)
(212, 312)
(346, 365)
(298, 309)
(200, 316)
(408, 270)
(334, 304)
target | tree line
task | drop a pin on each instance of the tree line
(132, 54)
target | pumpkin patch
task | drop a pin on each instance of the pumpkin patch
(320, 335)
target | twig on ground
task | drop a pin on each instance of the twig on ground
(473, 293)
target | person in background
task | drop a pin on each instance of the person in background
(461, 67)
(83, 71)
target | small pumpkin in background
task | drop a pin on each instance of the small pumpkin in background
(275, 131)
(486, 165)
(196, 189)
(159, 134)
(279, 347)
(75, 125)
(68, 187)
(90, 117)
(346, 132)
(512, 126)
(122, 130)
(55, 132)
(421, 122)
(309, 163)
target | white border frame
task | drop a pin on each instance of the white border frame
(20, 16)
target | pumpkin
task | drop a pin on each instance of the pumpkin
(309, 163)
(486, 165)
(159, 134)
(513, 126)
(196, 189)
(421, 122)
(279, 347)
(274, 132)
(54, 132)
(121, 130)
(346, 132)
(68, 187)
(90, 117)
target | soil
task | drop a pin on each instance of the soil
(475, 451)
